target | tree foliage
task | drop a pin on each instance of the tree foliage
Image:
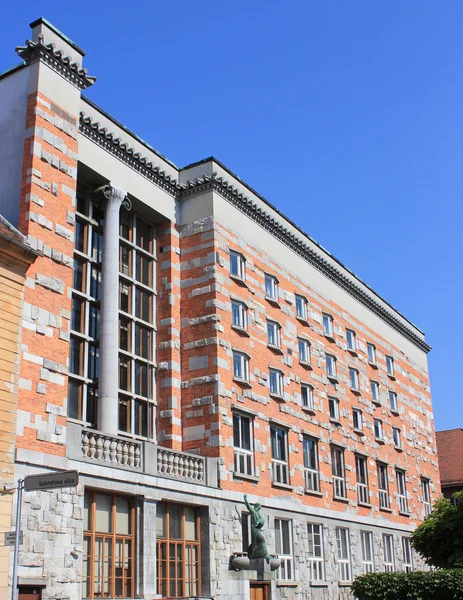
(432, 585)
(439, 539)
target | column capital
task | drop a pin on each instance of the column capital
(115, 195)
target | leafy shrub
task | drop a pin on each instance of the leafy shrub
(444, 584)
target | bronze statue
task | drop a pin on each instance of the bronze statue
(258, 547)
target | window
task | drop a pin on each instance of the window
(330, 366)
(343, 554)
(311, 474)
(276, 382)
(108, 552)
(390, 366)
(363, 495)
(237, 265)
(401, 491)
(316, 554)
(273, 334)
(378, 427)
(239, 315)
(246, 533)
(366, 538)
(304, 351)
(358, 419)
(243, 445)
(375, 391)
(337, 466)
(284, 548)
(333, 404)
(388, 550)
(383, 486)
(328, 325)
(393, 402)
(278, 438)
(178, 551)
(241, 366)
(307, 396)
(354, 379)
(351, 340)
(426, 495)
(408, 555)
(301, 307)
(396, 435)
(371, 349)
(271, 288)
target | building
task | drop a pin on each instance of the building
(449, 449)
(16, 255)
(185, 344)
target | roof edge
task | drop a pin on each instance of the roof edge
(58, 32)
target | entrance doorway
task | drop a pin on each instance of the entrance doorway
(30, 593)
(259, 590)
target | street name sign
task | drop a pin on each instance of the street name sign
(10, 538)
(48, 481)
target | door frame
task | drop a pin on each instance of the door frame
(262, 584)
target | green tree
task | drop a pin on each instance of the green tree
(439, 539)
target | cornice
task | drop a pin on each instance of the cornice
(300, 247)
(56, 60)
(122, 151)
(274, 225)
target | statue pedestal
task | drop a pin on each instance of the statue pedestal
(241, 562)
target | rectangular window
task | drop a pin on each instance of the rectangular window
(316, 553)
(343, 554)
(401, 491)
(237, 265)
(284, 548)
(408, 555)
(239, 314)
(351, 340)
(390, 365)
(426, 495)
(393, 401)
(366, 538)
(243, 445)
(301, 307)
(383, 486)
(276, 382)
(328, 325)
(371, 349)
(307, 396)
(273, 334)
(304, 351)
(378, 426)
(388, 550)
(271, 287)
(338, 470)
(354, 379)
(358, 419)
(311, 474)
(375, 391)
(397, 437)
(330, 366)
(178, 551)
(108, 549)
(279, 442)
(241, 366)
(333, 404)
(363, 495)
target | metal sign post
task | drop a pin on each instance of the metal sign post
(44, 481)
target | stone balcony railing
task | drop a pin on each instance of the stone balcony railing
(91, 446)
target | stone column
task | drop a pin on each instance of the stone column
(108, 402)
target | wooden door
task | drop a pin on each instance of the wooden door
(30, 593)
(259, 591)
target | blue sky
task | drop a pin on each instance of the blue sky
(345, 115)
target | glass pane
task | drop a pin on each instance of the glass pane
(124, 414)
(142, 341)
(81, 236)
(79, 276)
(87, 511)
(190, 523)
(161, 520)
(122, 515)
(124, 328)
(75, 400)
(125, 260)
(124, 299)
(103, 513)
(175, 522)
(144, 269)
(143, 235)
(77, 347)
(141, 418)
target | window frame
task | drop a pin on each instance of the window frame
(338, 472)
(401, 482)
(280, 464)
(361, 472)
(378, 430)
(316, 552)
(271, 284)
(279, 379)
(311, 464)
(407, 551)
(375, 393)
(359, 413)
(286, 568)
(242, 313)
(333, 403)
(303, 314)
(350, 333)
(342, 536)
(368, 554)
(426, 496)
(328, 325)
(383, 485)
(393, 401)
(306, 345)
(331, 371)
(276, 327)
(354, 379)
(390, 365)
(244, 366)
(307, 403)
(243, 456)
(397, 438)
(388, 553)
(240, 264)
(371, 353)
